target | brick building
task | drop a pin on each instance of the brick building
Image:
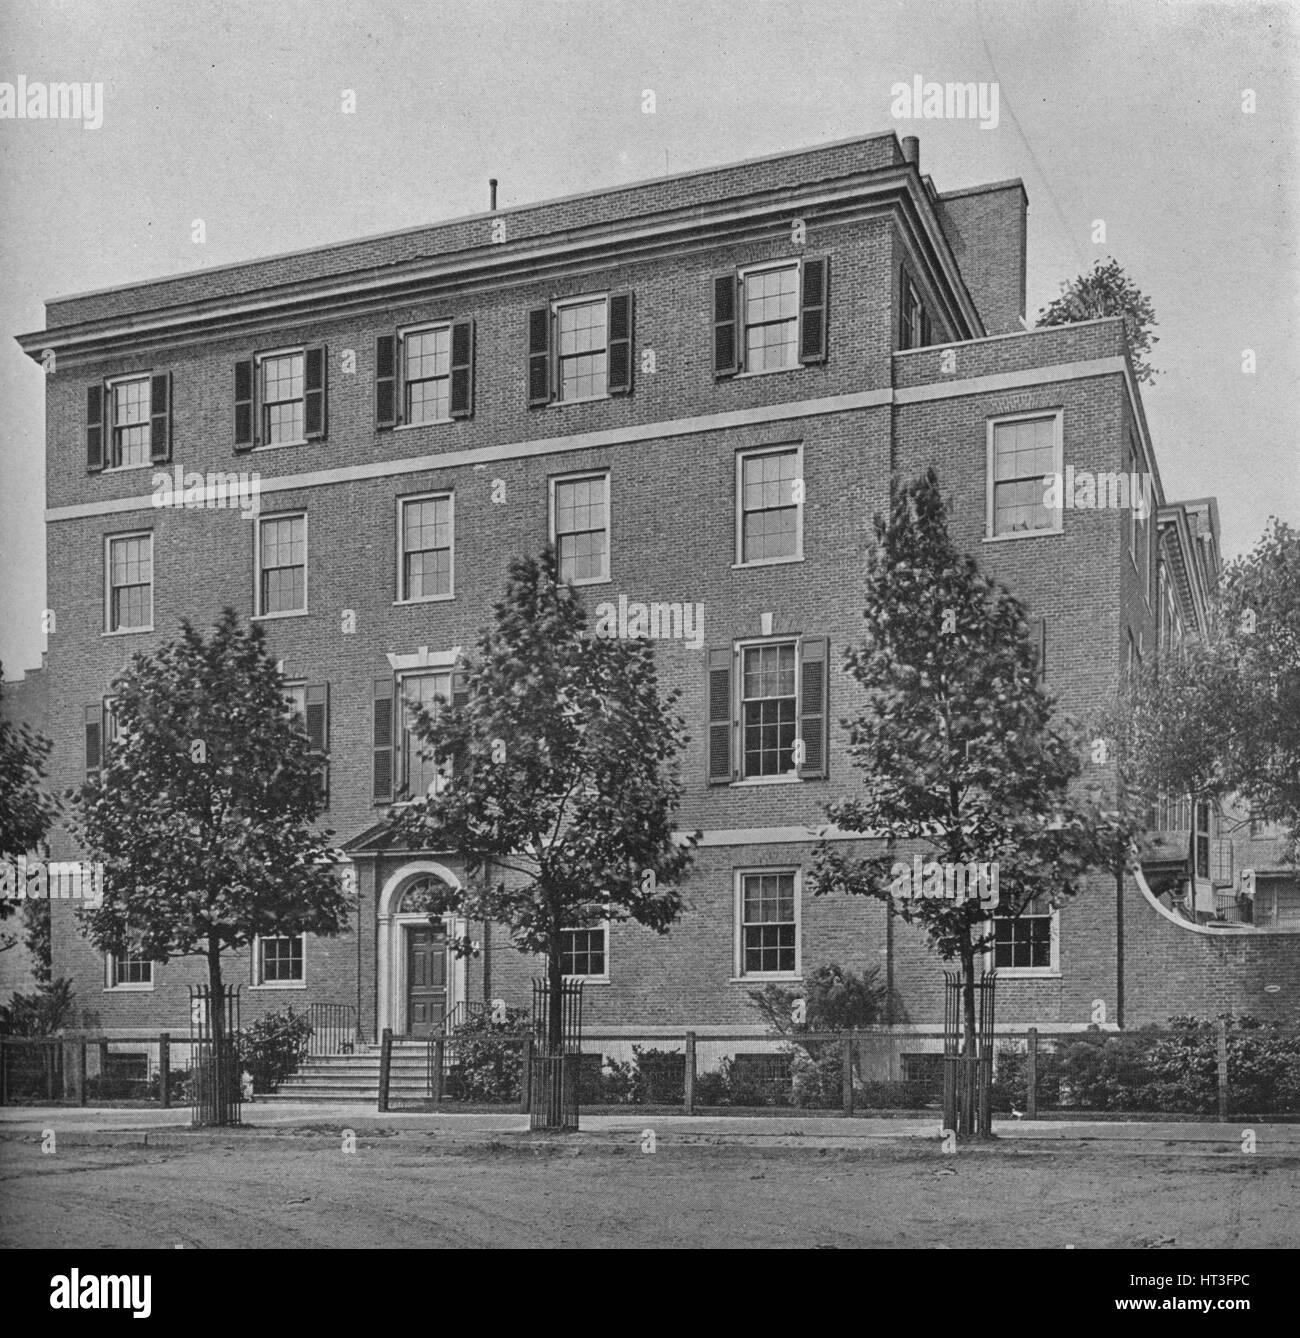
(640, 374)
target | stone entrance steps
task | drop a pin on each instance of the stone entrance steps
(356, 1077)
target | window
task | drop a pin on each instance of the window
(426, 375)
(1173, 815)
(1022, 453)
(770, 317)
(419, 773)
(1025, 942)
(770, 305)
(281, 565)
(426, 548)
(129, 969)
(1129, 461)
(130, 583)
(774, 729)
(914, 324)
(769, 709)
(583, 952)
(1203, 839)
(770, 506)
(279, 960)
(580, 527)
(130, 417)
(768, 915)
(581, 348)
(308, 705)
(283, 399)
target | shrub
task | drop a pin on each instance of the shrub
(660, 1077)
(273, 1047)
(834, 1000)
(488, 1058)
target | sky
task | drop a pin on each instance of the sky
(1127, 114)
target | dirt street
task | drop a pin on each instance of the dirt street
(259, 1190)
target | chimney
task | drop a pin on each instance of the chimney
(912, 151)
(492, 190)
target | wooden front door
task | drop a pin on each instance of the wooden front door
(426, 979)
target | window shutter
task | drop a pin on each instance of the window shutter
(726, 344)
(539, 356)
(244, 405)
(620, 344)
(315, 407)
(94, 716)
(721, 752)
(459, 689)
(160, 418)
(814, 661)
(462, 369)
(386, 381)
(814, 309)
(382, 740)
(1038, 639)
(95, 398)
(318, 731)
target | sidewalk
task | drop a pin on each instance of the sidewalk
(757, 1131)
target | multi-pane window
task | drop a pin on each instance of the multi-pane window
(1202, 839)
(582, 348)
(581, 523)
(770, 506)
(582, 951)
(295, 695)
(130, 968)
(426, 375)
(426, 548)
(915, 326)
(280, 959)
(130, 407)
(768, 927)
(282, 398)
(130, 583)
(771, 310)
(769, 709)
(420, 772)
(1024, 453)
(1023, 942)
(282, 565)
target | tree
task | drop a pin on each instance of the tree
(203, 811)
(957, 751)
(560, 769)
(1222, 715)
(833, 1000)
(1105, 290)
(26, 808)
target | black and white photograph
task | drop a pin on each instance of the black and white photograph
(649, 626)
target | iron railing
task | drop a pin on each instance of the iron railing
(333, 1029)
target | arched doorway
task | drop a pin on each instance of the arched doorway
(420, 979)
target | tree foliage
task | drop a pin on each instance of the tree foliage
(26, 808)
(956, 746)
(834, 1000)
(203, 813)
(560, 772)
(1105, 290)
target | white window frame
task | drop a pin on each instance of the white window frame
(449, 497)
(748, 453)
(111, 982)
(257, 565)
(580, 476)
(1050, 972)
(739, 975)
(109, 540)
(603, 926)
(742, 324)
(738, 707)
(110, 388)
(1058, 451)
(259, 982)
(259, 387)
(557, 380)
(401, 776)
(427, 327)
